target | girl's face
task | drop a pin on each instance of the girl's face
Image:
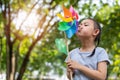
(86, 29)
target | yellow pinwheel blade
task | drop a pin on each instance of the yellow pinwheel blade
(64, 19)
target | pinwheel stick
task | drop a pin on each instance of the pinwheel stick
(66, 42)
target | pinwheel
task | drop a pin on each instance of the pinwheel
(69, 22)
(70, 28)
(69, 25)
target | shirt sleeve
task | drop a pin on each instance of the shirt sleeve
(67, 57)
(70, 54)
(103, 56)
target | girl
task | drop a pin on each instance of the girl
(88, 62)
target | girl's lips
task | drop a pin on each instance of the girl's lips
(78, 31)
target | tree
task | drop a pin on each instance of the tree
(14, 38)
(37, 47)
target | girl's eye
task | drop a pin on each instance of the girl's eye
(86, 24)
(79, 25)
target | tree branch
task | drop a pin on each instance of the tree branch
(26, 59)
(24, 20)
(27, 15)
(41, 22)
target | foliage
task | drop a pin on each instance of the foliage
(44, 56)
(110, 37)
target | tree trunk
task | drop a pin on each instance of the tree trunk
(25, 61)
(8, 52)
(9, 46)
(0, 54)
(24, 64)
(12, 74)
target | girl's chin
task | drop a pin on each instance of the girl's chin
(79, 34)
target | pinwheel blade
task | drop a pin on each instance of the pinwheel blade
(64, 18)
(71, 31)
(74, 14)
(67, 13)
(63, 26)
(60, 44)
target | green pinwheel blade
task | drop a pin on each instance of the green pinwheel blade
(63, 26)
(60, 44)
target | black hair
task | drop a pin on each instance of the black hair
(97, 39)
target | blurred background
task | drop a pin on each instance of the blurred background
(28, 29)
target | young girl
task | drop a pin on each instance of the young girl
(90, 61)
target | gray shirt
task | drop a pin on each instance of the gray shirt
(90, 62)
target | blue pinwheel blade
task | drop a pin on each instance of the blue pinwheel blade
(71, 31)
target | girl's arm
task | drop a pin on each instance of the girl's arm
(99, 74)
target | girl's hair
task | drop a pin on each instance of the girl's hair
(97, 39)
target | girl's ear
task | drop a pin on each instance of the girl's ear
(96, 32)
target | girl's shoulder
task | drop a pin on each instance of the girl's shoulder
(100, 49)
(76, 50)
(102, 55)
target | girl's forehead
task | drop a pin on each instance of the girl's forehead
(87, 21)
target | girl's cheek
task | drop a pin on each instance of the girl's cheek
(77, 34)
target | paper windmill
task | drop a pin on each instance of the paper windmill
(69, 25)
(69, 22)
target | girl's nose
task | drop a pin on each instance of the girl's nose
(80, 27)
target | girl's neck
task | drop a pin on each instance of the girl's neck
(87, 46)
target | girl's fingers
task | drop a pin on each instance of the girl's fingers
(69, 70)
(69, 64)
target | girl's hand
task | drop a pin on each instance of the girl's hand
(69, 73)
(73, 64)
(69, 70)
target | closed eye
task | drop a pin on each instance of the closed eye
(86, 25)
(80, 24)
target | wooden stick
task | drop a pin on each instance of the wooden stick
(66, 42)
